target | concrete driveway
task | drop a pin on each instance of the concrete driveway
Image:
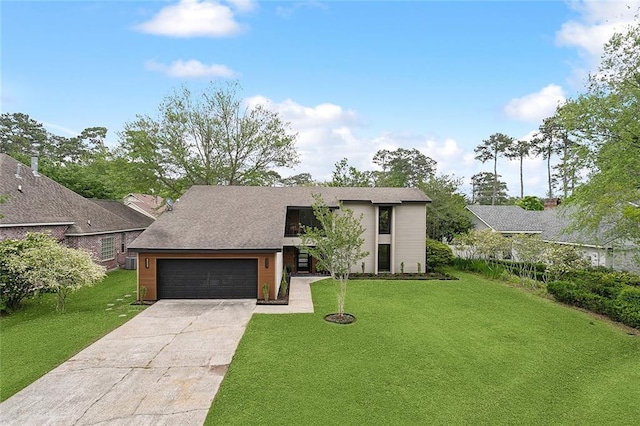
(164, 366)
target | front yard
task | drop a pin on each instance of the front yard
(36, 338)
(432, 352)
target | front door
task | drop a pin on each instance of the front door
(303, 261)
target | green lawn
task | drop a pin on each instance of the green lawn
(432, 352)
(36, 339)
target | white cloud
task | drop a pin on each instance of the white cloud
(196, 18)
(191, 69)
(536, 106)
(242, 5)
(597, 21)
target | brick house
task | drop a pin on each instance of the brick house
(35, 203)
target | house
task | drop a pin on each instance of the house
(226, 241)
(551, 225)
(150, 205)
(35, 203)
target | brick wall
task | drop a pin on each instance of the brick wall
(91, 243)
(20, 232)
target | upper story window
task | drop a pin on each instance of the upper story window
(384, 220)
(297, 217)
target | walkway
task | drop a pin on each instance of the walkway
(163, 367)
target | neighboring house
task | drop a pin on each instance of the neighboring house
(150, 205)
(550, 225)
(36, 203)
(226, 241)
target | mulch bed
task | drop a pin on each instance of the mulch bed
(340, 319)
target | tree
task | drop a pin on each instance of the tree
(20, 134)
(606, 119)
(348, 176)
(487, 189)
(208, 138)
(15, 287)
(518, 150)
(403, 168)
(530, 202)
(336, 244)
(55, 267)
(302, 179)
(446, 214)
(491, 149)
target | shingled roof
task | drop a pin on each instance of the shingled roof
(227, 218)
(551, 224)
(34, 199)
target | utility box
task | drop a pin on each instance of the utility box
(131, 263)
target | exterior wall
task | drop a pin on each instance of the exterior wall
(279, 267)
(90, 243)
(93, 244)
(626, 260)
(478, 225)
(147, 268)
(19, 233)
(370, 224)
(408, 235)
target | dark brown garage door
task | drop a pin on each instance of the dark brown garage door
(207, 278)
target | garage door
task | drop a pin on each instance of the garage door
(207, 278)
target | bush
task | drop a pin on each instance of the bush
(14, 287)
(438, 254)
(618, 301)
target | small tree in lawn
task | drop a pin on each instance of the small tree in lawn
(57, 268)
(337, 245)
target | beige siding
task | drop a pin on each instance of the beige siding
(369, 222)
(409, 235)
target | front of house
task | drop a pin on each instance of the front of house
(227, 241)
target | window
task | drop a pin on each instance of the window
(384, 258)
(108, 248)
(384, 220)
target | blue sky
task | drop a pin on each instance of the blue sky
(351, 77)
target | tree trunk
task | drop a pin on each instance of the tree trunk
(521, 179)
(495, 179)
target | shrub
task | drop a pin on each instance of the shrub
(284, 283)
(438, 254)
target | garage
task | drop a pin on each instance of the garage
(207, 278)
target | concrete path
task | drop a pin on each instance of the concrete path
(300, 301)
(163, 367)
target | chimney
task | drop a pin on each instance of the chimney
(34, 165)
(550, 203)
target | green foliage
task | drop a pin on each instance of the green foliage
(265, 291)
(619, 301)
(519, 150)
(55, 267)
(208, 138)
(530, 202)
(284, 282)
(483, 192)
(605, 118)
(345, 175)
(402, 168)
(336, 244)
(492, 149)
(438, 254)
(35, 339)
(15, 286)
(446, 214)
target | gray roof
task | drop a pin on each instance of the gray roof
(551, 224)
(39, 200)
(248, 218)
(133, 217)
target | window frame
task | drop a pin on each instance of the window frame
(106, 252)
(386, 229)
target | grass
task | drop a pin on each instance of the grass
(36, 339)
(471, 351)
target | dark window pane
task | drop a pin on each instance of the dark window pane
(384, 258)
(384, 220)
